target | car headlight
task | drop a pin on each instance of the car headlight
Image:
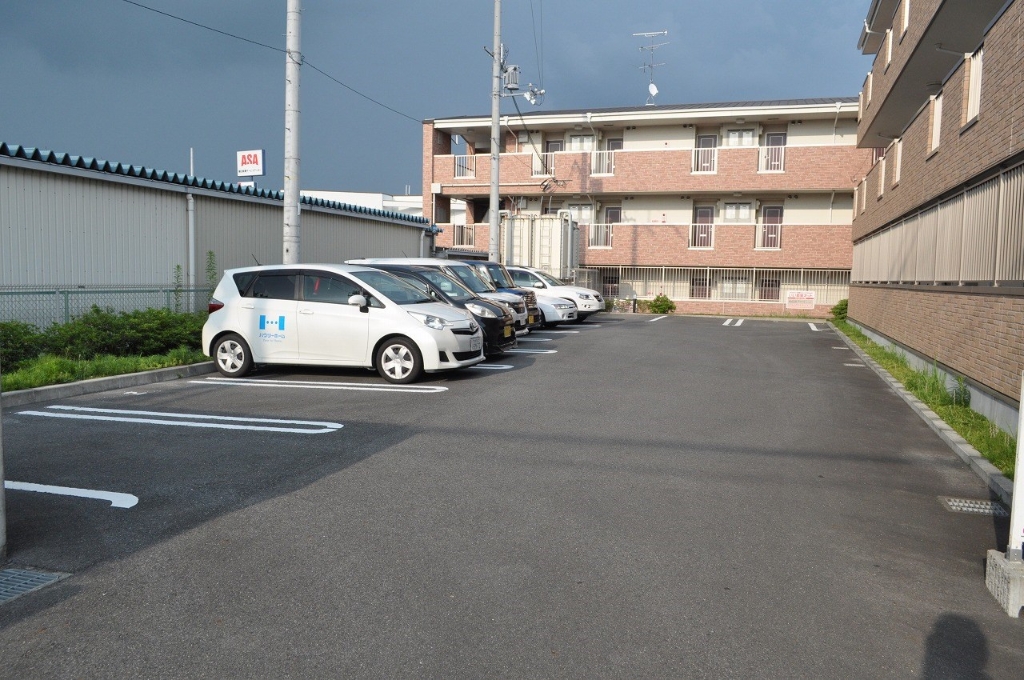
(564, 305)
(584, 296)
(430, 321)
(480, 310)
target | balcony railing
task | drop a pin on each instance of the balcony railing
(705, 160)
(465, 167)
(602, 163)
(600, 236)
(463, 235)
(772, 159)
(544, 164)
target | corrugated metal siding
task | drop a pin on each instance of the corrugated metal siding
(237, 232)
(1011, 264)
(981, 222)
(330, 237)
(64, 230)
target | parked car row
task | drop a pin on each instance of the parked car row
(400, 316)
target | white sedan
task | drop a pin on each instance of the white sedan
(587, 301)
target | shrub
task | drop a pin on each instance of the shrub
(662, 305)
(19, 342)
(139, 333)
(839, 311)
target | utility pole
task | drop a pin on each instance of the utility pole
(3, 501)
(493, 244)
(292, 70)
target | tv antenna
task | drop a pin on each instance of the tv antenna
(652, 89)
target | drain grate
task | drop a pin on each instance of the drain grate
(975, 507)
(15, 582)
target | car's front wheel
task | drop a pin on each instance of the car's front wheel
(399, 361)
(232, 356)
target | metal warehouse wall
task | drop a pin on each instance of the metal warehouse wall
(63, 230)
(64, 227)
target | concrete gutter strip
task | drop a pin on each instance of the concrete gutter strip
(116, 382)
(997, 482)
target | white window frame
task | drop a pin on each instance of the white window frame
(738, 212)
(936, 129)
(740, 137)
(897, 164)
(581, 143)
(888, 47)
(974, 74)
(906, 18)
(881, 176)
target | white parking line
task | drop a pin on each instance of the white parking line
(846, 348)
(302, 384)
(813, 327)
(854, 365)
(493, 367)
(657, 318)
(531, 351)
(188, 420)
(534, 339)
(117, 500)
(739, 322)
(553, 331)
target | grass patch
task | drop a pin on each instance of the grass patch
(55, 370)
(928, 385)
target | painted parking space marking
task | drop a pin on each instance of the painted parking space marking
(306, 385)
(553, 331)
(534, 340)
(493, 367)
(186, 420)
(657, 318)
(814, 328)
(846, 348)
(531, 351)
(739, 322)
(117, 500)
(854, 365)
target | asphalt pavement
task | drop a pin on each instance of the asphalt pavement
(630, 497)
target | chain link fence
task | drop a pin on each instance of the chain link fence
(42, 307)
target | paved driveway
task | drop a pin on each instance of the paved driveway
(641, 498)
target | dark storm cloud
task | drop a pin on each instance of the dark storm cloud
(106, 78)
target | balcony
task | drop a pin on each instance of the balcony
(463, 235)
(465, 167)
(544, 164)
(602, 163)
(705, 161)
(772, 159)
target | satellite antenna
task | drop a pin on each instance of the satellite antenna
(652, 89)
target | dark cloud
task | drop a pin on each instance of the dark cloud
(108, 79)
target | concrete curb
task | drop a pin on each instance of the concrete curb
(997, 482)
(114, 382)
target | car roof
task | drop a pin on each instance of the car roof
(327, 266)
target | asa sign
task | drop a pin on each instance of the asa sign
(250, 163)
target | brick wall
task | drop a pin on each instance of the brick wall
(974, 334)
(803, 246)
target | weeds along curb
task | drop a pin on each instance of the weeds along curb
(997, 482)
(113, 382)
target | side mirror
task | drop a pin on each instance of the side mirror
(358, 301)
(539, 284)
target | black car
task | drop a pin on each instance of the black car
(494, 318)
(496, 274)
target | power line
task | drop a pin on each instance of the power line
(275, 49)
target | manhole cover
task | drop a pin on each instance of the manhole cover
(975, 507)
(15, 582)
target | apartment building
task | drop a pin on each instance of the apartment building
(939, 225)
(727, 208)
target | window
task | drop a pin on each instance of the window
(699, 287)
(773, 155)
(739, 137)
(867, 90)
(974, 85)
(768, 289)
(888, 47)
(881, 176)
(274, 287)
(614, 144)
(769, 234)
(581, 142)
(601, 234)
(897, 161)
(936, 122)
(737, 212)
(906, 17)
(326, 288)
(702, 229)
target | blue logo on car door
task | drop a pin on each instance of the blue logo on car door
(274, 324)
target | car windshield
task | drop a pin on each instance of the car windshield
(548, 279)
(500, 276)
(392, 287)
(449, 286)
(471, 279)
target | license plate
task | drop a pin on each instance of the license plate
(531, 319)
(508, 331)
(475, 344)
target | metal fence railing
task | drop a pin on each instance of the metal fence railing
(58, 304)
(719, 284)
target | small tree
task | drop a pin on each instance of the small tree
(662, 305)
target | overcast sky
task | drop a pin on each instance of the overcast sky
(112, 80)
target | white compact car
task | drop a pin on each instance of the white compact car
(587, 301)
(335, 315)
(556, 310)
